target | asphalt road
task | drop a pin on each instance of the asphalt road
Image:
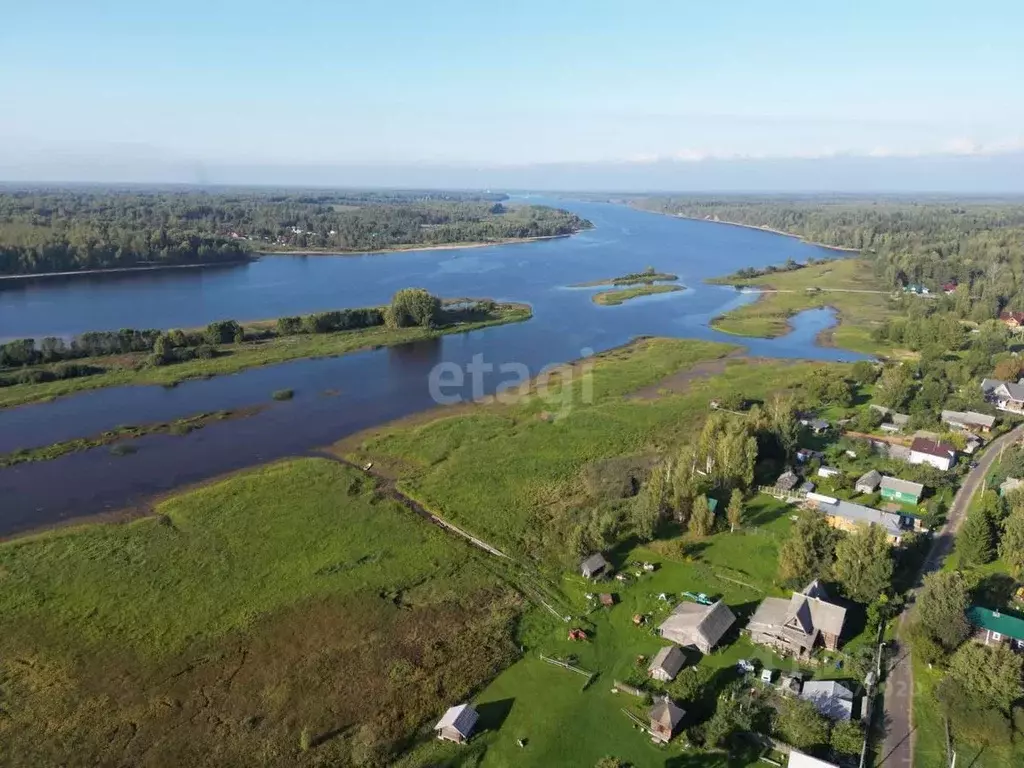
(898, 746)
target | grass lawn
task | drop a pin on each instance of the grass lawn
(567, 722)
(232, 358)
(858, 312)
(289, 597)
(519, 474)
(614, 298)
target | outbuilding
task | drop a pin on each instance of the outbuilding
(869, 481)
(594, 566)
(902, 491)
(666, 663)
(457, 723)
(665, 717)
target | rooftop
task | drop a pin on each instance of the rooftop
(902, 486)
(932, 448)
(995, 621)
(461, 717)
(857, 513)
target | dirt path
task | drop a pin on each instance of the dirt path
(898, 746)
(387, 485)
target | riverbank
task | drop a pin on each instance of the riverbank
(133, 369)
(122, 270)
(755, 227)
(414, 247)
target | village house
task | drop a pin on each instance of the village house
(817, 426)
(846, 516)
(665, 718)
(457, 723)
(1005, 395)
(800, 760)
(929, 451)
(700, 626)
(1012, 320)
(896, 422)
(799, 625)
(666, 664)
(901, 491)
(969, 421)
(833, 700)
(996, 628)
(594, 566)
(869, 482)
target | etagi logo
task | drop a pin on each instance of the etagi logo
(555, 385)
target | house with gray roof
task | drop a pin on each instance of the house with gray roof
(799, 625)
(869, 482)
(970, 421)
(666, 663)
(457, 723)
(665, 717)
(899, 420)
(833, 700)
(787, 481)
(700, 626)
(902, 491)
(846, 516)
(594, 566)
(1007, 396)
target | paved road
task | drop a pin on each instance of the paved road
(898, 747)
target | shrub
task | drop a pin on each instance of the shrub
(283, 394)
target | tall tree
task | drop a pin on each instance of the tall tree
(1011, 545)
(864, 564)
(976, 540)
(799, 724)
(942, 608)
(734, 512)
(991, 673)
(649, 505)
(809, 550)
(702, 519)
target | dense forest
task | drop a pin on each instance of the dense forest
(44, 230)
(936, 242)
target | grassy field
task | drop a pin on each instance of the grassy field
(837, 282)
(131, 369)
(518, 474)
(287, 598)
(613, 298)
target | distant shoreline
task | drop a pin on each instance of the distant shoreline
(773, 231)
(121, 270)
(403, 249)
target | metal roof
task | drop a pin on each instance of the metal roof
(995, 621)
(902, 486)
(461, 717)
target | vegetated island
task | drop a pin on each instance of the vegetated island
(50, 233)
(644, 283)
(37, 370)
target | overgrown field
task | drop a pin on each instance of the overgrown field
(294, 597)
(521, 475)
(616, 297)
(843, 284)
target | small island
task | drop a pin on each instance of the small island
(633, 285)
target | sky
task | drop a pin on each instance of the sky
(603, 92)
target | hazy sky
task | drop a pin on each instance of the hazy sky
(119, 87)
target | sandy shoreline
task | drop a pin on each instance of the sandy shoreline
(757, 228)
(442, 247)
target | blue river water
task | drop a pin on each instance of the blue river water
(338, 396)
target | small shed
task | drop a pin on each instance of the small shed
(666, 664)
(457, 723)
(787, 481)
(828, 472)
(869, 482)
(607, 599)
(902, 491)
(665, 717)
(593, 566)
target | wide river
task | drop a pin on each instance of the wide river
(338, 396)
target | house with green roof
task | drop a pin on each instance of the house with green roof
(996, 628)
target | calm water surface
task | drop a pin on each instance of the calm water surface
(367, 388)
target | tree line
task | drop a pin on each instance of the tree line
(409, 307)
(935, 242)
(73, 230)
